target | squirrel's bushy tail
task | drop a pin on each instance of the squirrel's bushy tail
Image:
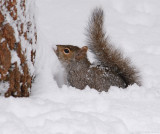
(105, 53)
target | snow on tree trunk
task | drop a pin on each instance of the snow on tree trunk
(17, 47)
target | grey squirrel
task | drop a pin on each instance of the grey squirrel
(114, 70)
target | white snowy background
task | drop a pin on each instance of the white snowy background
(134, 27)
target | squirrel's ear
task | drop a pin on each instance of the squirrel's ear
(81, 53)
(85, 48)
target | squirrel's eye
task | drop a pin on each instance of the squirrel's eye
(66, 50)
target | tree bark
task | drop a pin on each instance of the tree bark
(17, 47)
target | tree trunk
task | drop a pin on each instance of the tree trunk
(17, 47)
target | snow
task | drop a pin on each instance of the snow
(4, 87)
(133, 26)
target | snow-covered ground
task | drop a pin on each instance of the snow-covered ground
(133, 26)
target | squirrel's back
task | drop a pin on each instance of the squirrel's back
(105, 53)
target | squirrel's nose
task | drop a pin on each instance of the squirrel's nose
(55, 50)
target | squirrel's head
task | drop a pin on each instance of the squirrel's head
(69, 53)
